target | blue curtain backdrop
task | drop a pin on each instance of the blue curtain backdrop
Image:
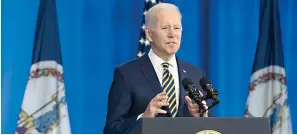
(97, 35)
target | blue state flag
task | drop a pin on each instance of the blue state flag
(44, 107)
(268, 95)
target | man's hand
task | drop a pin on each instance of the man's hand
(156, 103)
(194, 108)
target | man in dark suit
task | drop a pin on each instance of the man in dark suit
(150, 86)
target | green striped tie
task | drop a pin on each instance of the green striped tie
(169, 88)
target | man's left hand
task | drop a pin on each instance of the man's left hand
(194, 108)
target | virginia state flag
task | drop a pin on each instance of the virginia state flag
(44, 108)
(268, 96)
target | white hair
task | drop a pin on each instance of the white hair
(150, 14)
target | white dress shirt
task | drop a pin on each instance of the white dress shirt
(173, 69)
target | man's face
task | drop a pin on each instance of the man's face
(166, 32)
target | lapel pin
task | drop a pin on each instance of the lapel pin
(184, 71)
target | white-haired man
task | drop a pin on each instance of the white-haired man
(150, 86)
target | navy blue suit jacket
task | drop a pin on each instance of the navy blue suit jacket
(134, 85)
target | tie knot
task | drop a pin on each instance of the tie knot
(165, 65)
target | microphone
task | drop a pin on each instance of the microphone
(211, 93)
(194, 94)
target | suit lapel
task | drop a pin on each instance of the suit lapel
(182, 74)
(149, 73)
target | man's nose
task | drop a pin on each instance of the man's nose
(171, 33)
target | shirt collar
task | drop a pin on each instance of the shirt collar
(156, 60)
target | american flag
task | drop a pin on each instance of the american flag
(144, 44)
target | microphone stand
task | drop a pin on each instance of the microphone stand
(210, 95)
(195, 95)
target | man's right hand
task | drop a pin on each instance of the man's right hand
(156, 103)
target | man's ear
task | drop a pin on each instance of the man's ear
(148, 34)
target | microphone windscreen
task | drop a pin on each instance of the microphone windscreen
(186, 82)
(204, 81)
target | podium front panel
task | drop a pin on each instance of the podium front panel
(190, 125)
